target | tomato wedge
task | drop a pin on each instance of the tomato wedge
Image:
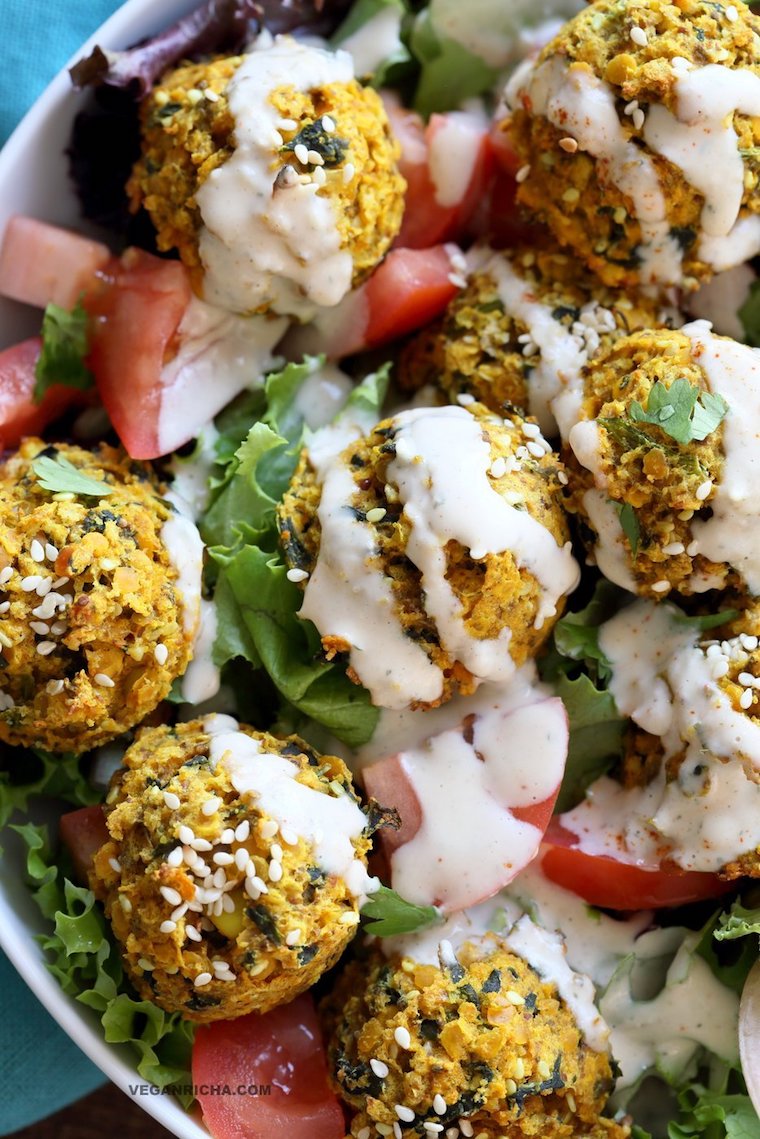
(236, 1061)
(41, 263)
(611, 884)
(83, 832)
(19, 414)
(410, 288)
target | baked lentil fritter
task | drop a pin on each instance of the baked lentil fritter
(92, 625)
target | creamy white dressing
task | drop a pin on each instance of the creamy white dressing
(258, 247)
(452, 154)
(741, 244)
(202, 678)
(512, 758)
(184, 546)
(710, 814)
(329, 823)
(322, 395)
(219, 355)
(375, 41)
(610, 551)
(720, 299)
(582, 105)
(733, 371)
(191, 473)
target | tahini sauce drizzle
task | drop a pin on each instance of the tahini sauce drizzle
(259, 248)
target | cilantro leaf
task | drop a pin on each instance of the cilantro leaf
(388, 914)
(64, 348)
(576, 635)
(630, 524)
(682, 411)
(59, 476)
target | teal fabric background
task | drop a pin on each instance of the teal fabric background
(40, 1069)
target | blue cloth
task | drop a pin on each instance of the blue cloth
(41, 1070)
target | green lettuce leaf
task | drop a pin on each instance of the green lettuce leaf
(738, 922)
(749, 315)
(26, 775)
(576, 635)
(596, 736)
(450, 73)
(83, 955)
(399, 64)
(714, 1115)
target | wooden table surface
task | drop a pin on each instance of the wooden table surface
(104, 1114)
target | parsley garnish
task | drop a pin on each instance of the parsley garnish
(388, 914)
(682, 411)
(59, 476)
(314, 137)
(64, 348)
(630, 524)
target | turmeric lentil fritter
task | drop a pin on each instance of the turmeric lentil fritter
(328, 139)
(501, 598)
(218, 884)
(93, 626)
(639, 491)
(485, 1040)
(520, 333)
(629, 156)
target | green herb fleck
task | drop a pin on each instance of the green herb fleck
(59, 476)
(630, 524)
(64, 348)
(314, 137)
(388, 914)
(682, 411)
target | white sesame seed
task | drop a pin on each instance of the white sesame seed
(6, 575)
(223, 859)
(227, 836)
(275, 871)
(4, 606)
(174, 858)
(44, 585)
(498, 468)
(328, 124)
(746, 679)
(60, 582)
(30, 583)
(522, 174)
(536, 450)
(211, 806)
(51, 552)
(466, 1128)
(170, 895)
(161, 654)
(115, 865)
(186, 835)
(661, 587)
(569, 145)
(364, 1133)
(746, 698)
(318, 176)
(241, 858)
(348, 173)
(638, 119)
(219, 877)
(202, 979)
(37, 550)
(379, 1068)
(260, 884)
(39, 627)
(251, 890)
(171, 800)
(464, 399)
(293, 937)
(639, 36)
(145, 964)
(242, 830)
(402, 1037)
(561, 478)
(45, 648)
(692, 549)
(168, 926)
(674, 549)
(315, 158)
(397, 1132)
(718, 668)
(376, 514)
(544, 1070)
(531, 430)
(296, 575)
(439, 1105)
(179, 912)
(703, 491)
(54, 687)
(268, 828)
(228, 905)
(287, 125)
(405, 1114)
(211, 95)
(302, 154)
(217, 908)
(58, 628)
(732, 14)
(275, 851)
(125, 904)
(749, 643)
(103, 680)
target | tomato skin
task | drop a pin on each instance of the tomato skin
(134, 323)
(83, 832)
(409, 289)
(19, 414)
(41, 263)
(608, 883)
(283, 1049)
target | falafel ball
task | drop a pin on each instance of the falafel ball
(520, 333)
(628, 155)
(94, 626)
(434, 552)
(661, 494)
(235, 869)
(273, 174)
(486, 1040)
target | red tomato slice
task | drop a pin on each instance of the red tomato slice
(40, 263)
(281, 1049)
(133, 331)
(425, 153)
(409, 289)
(19, 414)
(83, 832)
(615, 885)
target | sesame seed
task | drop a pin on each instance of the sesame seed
(297, 575)
(103, 680)
(498, 468)
(202, 979)
(227, 836)
(241, 858)
(115, 865)
(434, 1128)
(522, 174)
(174, 858)
(60, 582)
(301, 153)
(661, 587)
(318, 176)
(402, 1037)
(639, 36)
(732, 14)
(379, 1068)
(693, 549)
(543, 1069)
(211, 806)
(569, 145)
(405, 1114)
(531, 430)
(6, 575)
(746, 679)
(219, 878)
(145, 964)
(328, 124)
(350, 919)
(260, 884)
(171, 800)
(44, 585)
(510, 1087)
(561, 478)
(125, 904)
(383, 1129)
(268, 828)
(58, 628)
(571, 1101)
(703, 491)
(168, 926)
(466, 1128)
(223, 859)
(348, 173)
(376, 514)
(45, 648)
(364, 1133)
(51, 552)
(293, 937)
(514, 998)
(749, 643)
(397, 1132)
(161, 654)
(211, 95)
(4, 606)
(453, 1132)
(39, 627)
(54, 687)
(251, 890)
(30, 583)
(287, 125)
(242, 830)
(674, 549)
(439, 1105)
(37, 550)
(170, 895)
(746, 698)
(518, 1068)
(571, 195)
(186, 835)
(464, 399)
(275, 871)
(536, 450)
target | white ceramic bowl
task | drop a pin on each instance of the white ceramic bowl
(34, 181)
